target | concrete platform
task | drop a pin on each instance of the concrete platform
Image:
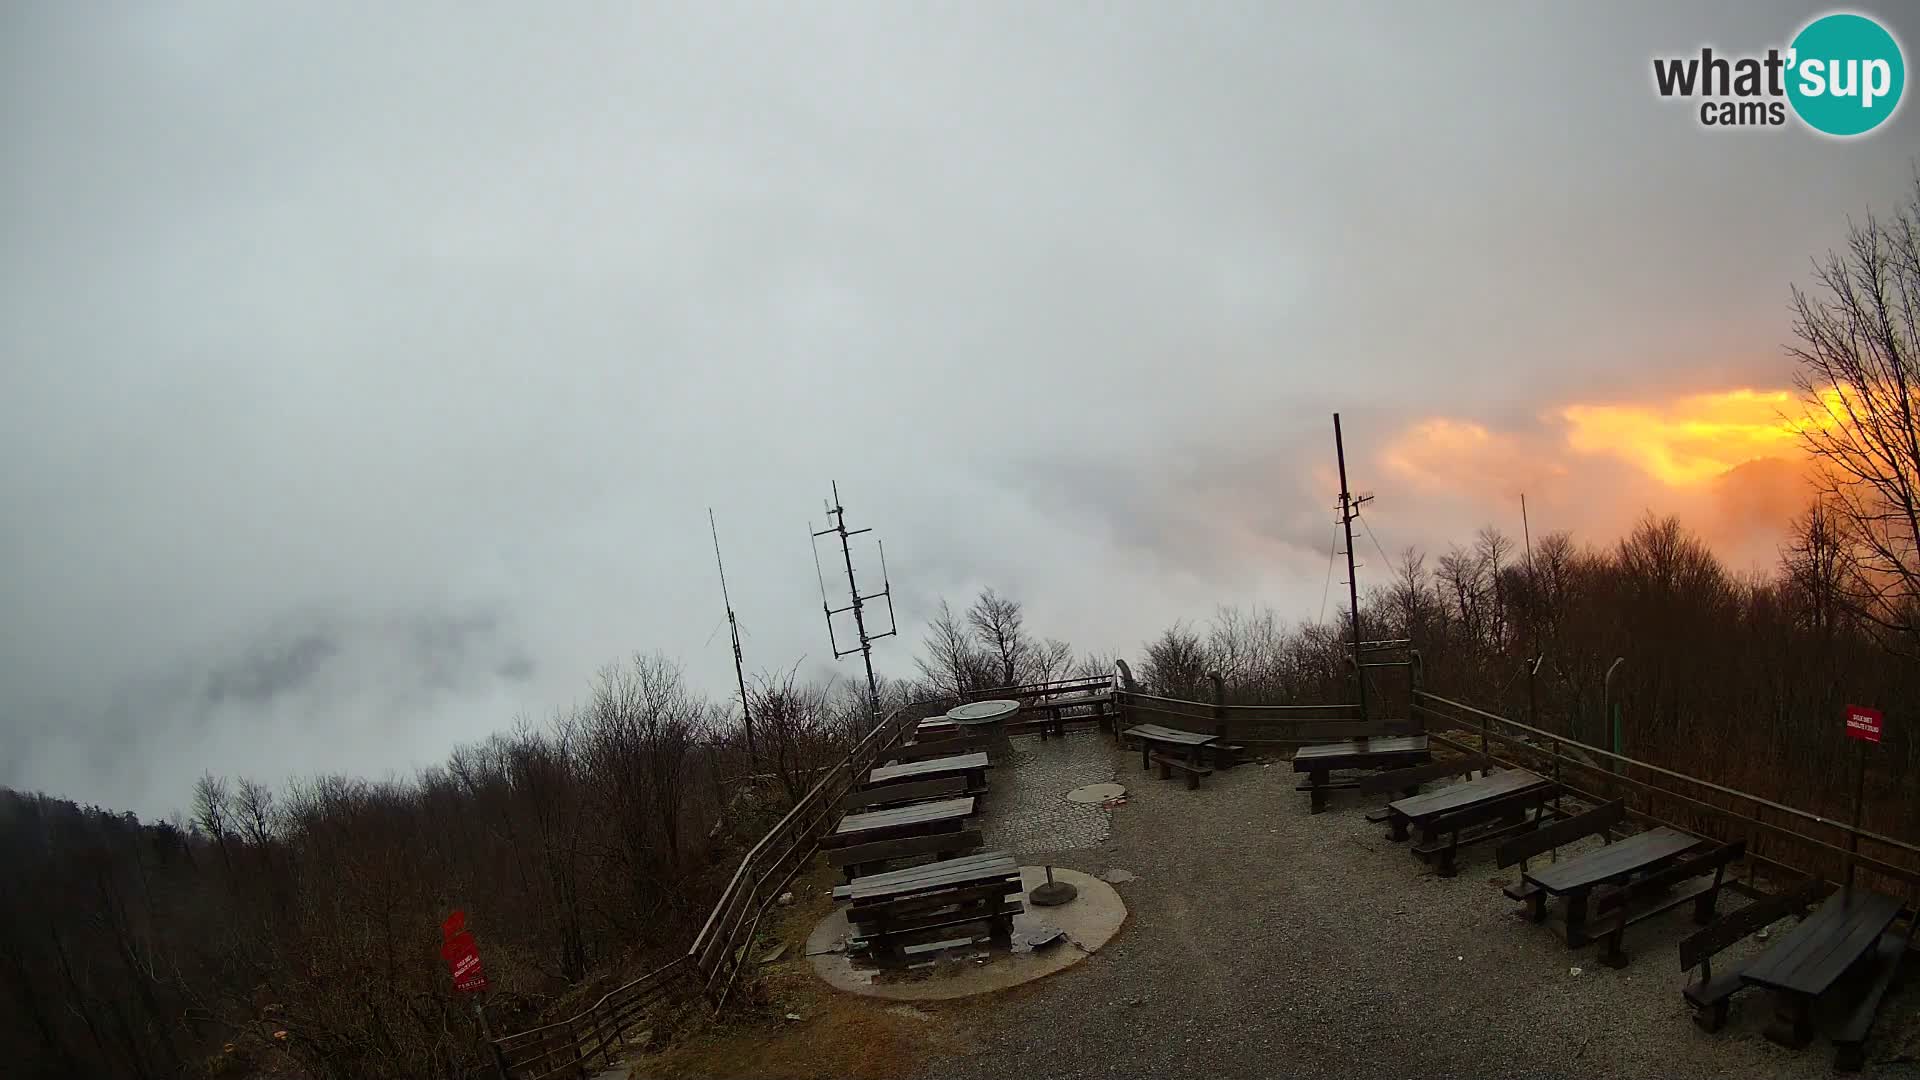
(1090, 920)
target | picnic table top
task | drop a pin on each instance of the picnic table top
(1641, 851)
(939, 766)
(1156, 733)
(1379, 744)
(986, 866)
(983, 712)
(1459, 796)
(896, 816)
(1808, 958)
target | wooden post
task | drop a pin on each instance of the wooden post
(1555, 855)
(1219, 705)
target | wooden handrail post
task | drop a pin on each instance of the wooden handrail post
(1219, 704)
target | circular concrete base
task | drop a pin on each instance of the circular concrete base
(1090, 920)
(1095, 793)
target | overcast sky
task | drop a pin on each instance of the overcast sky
(369, 369)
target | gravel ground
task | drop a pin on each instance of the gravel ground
(1266, 942)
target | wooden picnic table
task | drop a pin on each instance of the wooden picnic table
(1805, 961)
(914, 820)
(1494, 805)
(904, 913)
(1574, 879)
(973, 766)
(964, 870)
(1187, 743)
(1385, 752)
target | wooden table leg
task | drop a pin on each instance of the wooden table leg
(1792, 1025)
(1398, 824)
(1576, 905)
(1539, 904)
(1317, 793)
(1146, 754)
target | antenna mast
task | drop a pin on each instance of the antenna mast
(1349, 509)
(733, 624)
(837, 514)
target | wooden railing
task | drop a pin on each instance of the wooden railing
(1784, 837)
(1254, 725)
(596, 1036)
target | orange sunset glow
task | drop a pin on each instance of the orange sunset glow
(1694, 439)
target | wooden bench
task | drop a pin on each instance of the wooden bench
(1661, 891)
(1192, 769)
(1053, 719)
(940, 787)
(1858, 997)
(1408, 781)
(1596, 822)
(1712, 993)
(859, 860)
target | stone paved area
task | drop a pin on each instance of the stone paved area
(1027, 806)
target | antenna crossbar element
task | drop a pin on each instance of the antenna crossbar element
(837, 514)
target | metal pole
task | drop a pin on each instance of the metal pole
(739, 661)
(1859, 807)
(1353, 581)
(1606, 704)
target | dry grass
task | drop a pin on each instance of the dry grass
(838, 1034)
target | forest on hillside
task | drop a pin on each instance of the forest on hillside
(297, 929)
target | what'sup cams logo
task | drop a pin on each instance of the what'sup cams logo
(1842, 75)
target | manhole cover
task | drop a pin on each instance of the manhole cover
(1096, 793)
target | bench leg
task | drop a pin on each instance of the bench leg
(1146, 755)
(1446, 867)
(1166, 771)
(1398, 827)
(1611, 952)
(1317, 793)
(1576, 905)
(1539, 901)
(1713, 1017)
(1000, 930)
(1703, 904)
(1193, 781)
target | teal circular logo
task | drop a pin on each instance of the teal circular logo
(1845, 74)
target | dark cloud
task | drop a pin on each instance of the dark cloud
(367, 379)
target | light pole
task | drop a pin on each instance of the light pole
(1607, 715)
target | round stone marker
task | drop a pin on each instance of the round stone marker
(1096, 793)
(982, 712)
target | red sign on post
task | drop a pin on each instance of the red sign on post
(462, 954)
(1863, 723)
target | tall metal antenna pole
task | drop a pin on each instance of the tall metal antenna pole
(838, 515)
(733, 624)
(1349, 509)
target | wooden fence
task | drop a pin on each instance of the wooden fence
(596, 1036)
(1781, 837)
(1251, 725)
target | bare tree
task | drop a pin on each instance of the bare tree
(951, 662)
(1000, 626)
(1859, 354)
